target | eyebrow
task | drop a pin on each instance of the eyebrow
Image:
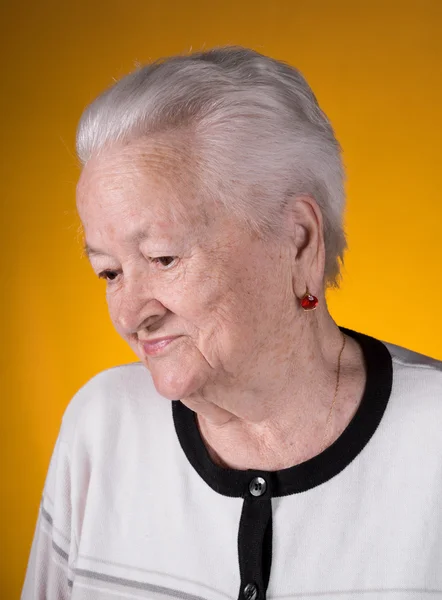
(89, 251)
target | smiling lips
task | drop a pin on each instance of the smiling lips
(155, 347)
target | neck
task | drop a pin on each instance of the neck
(281, 420)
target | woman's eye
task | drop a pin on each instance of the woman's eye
(108, 275)
(165, 261)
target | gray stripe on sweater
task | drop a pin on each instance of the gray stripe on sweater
(148, 587)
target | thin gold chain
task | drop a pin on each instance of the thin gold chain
(338, 376)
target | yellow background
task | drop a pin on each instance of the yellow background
(376, 69)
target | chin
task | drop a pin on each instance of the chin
(175, 384)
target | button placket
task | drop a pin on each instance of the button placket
(255, 537)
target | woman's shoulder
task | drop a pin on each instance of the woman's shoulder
(417, 370)
(417, 381)
(415, 362)
(113, 398)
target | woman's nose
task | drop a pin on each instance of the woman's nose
(136, 308)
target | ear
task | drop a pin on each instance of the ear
(308, 246)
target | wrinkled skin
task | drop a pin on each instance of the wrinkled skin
(248, 360)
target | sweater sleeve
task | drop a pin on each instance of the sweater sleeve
(50, 568)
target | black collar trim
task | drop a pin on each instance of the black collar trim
(320, 468)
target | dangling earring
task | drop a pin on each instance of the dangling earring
(308, 301)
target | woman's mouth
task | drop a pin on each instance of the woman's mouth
(157, 346)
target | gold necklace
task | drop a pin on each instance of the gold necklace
(335, 395)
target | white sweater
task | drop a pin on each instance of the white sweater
(133, 506)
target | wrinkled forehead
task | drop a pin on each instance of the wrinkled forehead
(158, 175)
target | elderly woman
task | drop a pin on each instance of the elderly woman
(297, 459)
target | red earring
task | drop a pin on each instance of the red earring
(308, 301)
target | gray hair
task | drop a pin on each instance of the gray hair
(256, 132)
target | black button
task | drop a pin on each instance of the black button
(250, 592)
(257, 486)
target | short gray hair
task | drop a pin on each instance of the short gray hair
(256, 131)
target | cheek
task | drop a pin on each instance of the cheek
(192, 297)
(111, 307)
(228, 318)
(244, 314)
(114, 308)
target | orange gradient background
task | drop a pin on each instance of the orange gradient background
(376, 68)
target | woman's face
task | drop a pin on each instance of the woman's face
(199, 299)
